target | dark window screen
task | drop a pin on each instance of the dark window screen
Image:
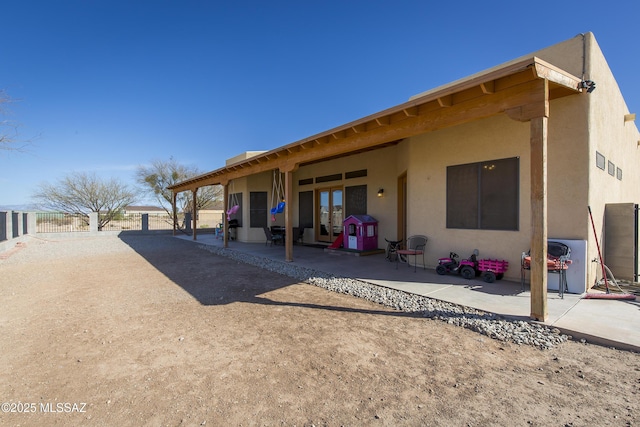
(462, 196)
(356, 174)
(355, 200)
(258, 209)
(305, 211)
(484, 195)
(328, 178)
(499, 194)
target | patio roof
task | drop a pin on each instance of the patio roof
(518, 88)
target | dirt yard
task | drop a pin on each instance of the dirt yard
(151, 331)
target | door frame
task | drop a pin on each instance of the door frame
(331, 237)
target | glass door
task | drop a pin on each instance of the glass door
(329, 214)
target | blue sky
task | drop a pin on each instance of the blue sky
(107, 85)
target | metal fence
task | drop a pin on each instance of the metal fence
(136, 221)
(161, 221)
(57, 222)
(122, 222)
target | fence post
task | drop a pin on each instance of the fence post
(15, 225)
(93, 222)
(187, 222)
(25, 224)
(145, 222)
(31, 223)
(4, 218)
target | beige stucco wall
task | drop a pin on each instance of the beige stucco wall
(210, 218)
(578, 126)
(428, 157)
(614, 138)
(381, 173)
(239, 185)
(257, 182)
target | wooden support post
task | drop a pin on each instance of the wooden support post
(195, 213)
(174, 211)
(539, 309)
(225, 221)
(288, 215)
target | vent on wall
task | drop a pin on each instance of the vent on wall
(600, 161)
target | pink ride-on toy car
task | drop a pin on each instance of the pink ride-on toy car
(467, 268)
(492, 269)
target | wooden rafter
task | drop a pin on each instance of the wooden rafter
(510, 89)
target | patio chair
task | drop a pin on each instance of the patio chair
(271, 238)
(415, 246)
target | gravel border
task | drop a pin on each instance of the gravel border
(489, 324)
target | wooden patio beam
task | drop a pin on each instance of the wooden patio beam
(468, 100)
(538, 141)
(288, 215)
(225, 221)
(516, 97)
(194, 212)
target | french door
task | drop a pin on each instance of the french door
(328, 214)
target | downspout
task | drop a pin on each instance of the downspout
(589, 85)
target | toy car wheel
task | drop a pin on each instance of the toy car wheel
(489, 276)
(467, 272)
(441, 270)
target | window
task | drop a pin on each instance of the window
(258, 209)
(371, 230)
(329, 178)
(484, 195)
(355, 174)
(611, 168)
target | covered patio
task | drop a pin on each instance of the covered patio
(521, 89)
(610, 323)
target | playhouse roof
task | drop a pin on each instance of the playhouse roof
(362, 218)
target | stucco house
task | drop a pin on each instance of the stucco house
(500, 161)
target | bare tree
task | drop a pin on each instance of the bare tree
(156, 178)
(9, 138)
(82, 193)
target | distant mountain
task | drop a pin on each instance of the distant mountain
(23, 208)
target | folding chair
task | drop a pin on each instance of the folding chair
(414, 247)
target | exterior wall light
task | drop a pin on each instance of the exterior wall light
(381, 192)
